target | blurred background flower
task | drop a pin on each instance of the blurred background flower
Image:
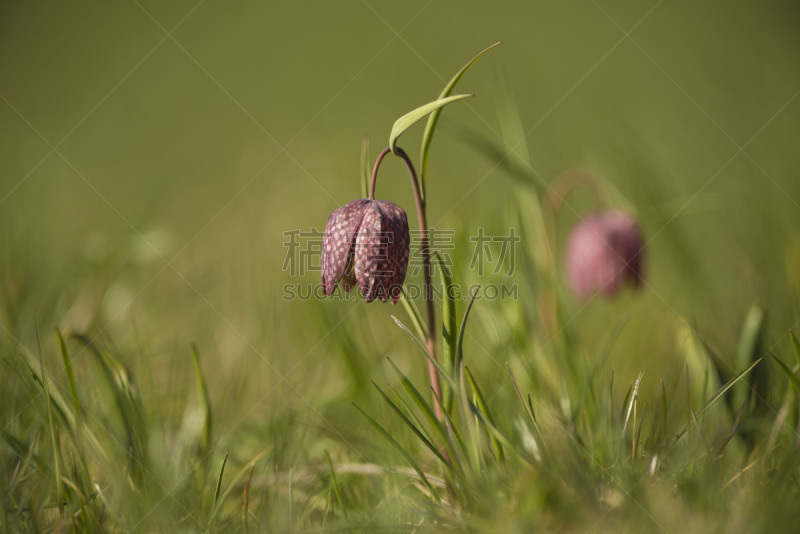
(604, 252)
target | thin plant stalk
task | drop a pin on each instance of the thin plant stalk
(430, 341)
(553, 200)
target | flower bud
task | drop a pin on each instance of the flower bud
(603, 253)
(366, 242)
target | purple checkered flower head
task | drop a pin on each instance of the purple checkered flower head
(603, 253)
(366, 242)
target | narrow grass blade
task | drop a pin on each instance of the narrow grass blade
(463, 329)
(335, 484)
(748, 349)
(51, 427)
(414, 315)
(452, 429)
(633, 399)
(625, 403)
(425, 441)
(205, 401)
(221, 496)
(433, 119)
(76, 404)
(448, 325)
(404, 453)
(219, 484)
(421, 403)
(495, 433)
(788, 372)
(732, 382)
(493, 152)
(637, 443)
(480, 401)
(126, 398)
(62, 409)
(406, 121)
(475, 437)
(528, 406)
(795, 346)
(513, 132)
(663, 410)
(441, 370)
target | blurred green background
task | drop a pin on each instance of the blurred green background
(152, 155)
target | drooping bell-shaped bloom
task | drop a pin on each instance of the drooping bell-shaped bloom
(366, 242)
(603, 253)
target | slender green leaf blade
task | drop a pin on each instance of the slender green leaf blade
(724, 389)
(748, 350)
(463, 329)
(441, 370)
(336, 490)
(528, 405)
(788, 372)
(70, 376)
(219, 481)
(205, 401)
(433, 119)
(795, 346)
(406, 121)
(420, 401)
(480, 401)
(412, 426)
(414, 315)
(404, 453)
(633, 398)
(448, 325)
(220, 496)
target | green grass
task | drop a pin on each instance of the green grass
(153, 377)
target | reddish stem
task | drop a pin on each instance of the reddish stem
(430, 342)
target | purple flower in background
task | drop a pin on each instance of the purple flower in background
(603, 252)
(366, 242)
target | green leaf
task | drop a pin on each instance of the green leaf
(748, 350)
(528, 405)
(413, 314)
(460, 343)
(442, 371)
(732, 382)
(128, 403)
(448, 326)
(219, 484)
(433, 119)
(788, 372)
(495, 433)
(219, 497)
(205, 401)
(480, 401)
(401, 450)
(406, 121)
(451, 427)
(421, 403)
(70, 376)
(412, 426)
(633, 399)
(54, 441)
(335, 485)
(796, 347)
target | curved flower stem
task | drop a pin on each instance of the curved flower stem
(430, 342)
(374, 178)
(559, 189)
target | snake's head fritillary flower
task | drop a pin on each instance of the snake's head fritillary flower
(366, 243)
(603, 253)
